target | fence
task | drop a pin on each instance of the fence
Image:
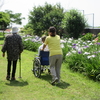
(94, 31)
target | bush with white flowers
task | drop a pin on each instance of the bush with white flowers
(82, 56)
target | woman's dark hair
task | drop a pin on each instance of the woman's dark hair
(53, 31)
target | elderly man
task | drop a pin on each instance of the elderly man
(13, 46)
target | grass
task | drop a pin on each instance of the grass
(73, 86)
(1, 40)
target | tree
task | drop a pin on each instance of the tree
(27, 29)
(4, 20)
(74, 23)
(15, 17)
(41, 18)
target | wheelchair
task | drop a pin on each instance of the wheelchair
(40, 63)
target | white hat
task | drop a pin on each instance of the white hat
(14, 30)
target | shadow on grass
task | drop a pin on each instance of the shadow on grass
(1, 92)
(17, 83)
(46, 77)
(62, 84)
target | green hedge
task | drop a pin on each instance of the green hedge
(32, 46)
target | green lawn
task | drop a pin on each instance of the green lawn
(73, 86)
(1, 40)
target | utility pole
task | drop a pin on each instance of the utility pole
(93, 20)
(82, 11)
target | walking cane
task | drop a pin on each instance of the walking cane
(20, 66)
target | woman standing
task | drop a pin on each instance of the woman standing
(14, 47)
(56, 55)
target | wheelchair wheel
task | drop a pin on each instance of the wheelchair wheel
(37, 67)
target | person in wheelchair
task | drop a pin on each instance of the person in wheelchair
(41, 46)
(41, 63)
(46, 49)
(56, 54)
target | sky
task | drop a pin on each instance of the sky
(90, 8)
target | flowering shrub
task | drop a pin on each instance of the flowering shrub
(32, 46)
(31, 43)
(83, 57)
(88, 36)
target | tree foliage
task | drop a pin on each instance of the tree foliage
(74, 23)
(4, 20)
(27, 29)
(15, 17)
(42, 17)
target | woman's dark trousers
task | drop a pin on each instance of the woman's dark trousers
(13, 63)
